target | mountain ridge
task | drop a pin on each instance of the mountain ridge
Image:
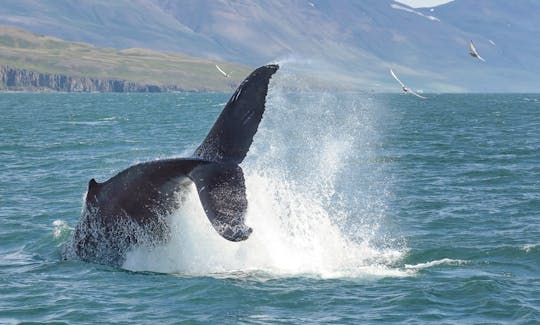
(35, 58)
(427, 47)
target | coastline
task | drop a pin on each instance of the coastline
(22, 80)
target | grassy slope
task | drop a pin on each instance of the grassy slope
(24, 50)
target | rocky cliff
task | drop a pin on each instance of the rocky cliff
(12, 79)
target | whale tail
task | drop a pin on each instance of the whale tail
(222, 192)
(232, 134)
(220, 183)
(131, 203)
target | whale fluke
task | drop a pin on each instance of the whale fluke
(232, 133)
(222, 192)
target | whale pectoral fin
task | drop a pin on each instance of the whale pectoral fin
(222, 192)
(231, 136)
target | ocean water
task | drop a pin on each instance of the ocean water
(365, 209)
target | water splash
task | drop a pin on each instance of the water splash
(61, 230)
(316, 197)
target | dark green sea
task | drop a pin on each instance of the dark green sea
(365, 209)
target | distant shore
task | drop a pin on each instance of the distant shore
(22, 80)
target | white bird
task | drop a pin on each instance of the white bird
(223, 72)
(403, 87)
(474, 53)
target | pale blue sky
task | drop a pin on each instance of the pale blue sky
(423, 3)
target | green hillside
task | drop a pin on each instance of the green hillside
(23, 50)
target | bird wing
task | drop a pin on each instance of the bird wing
(397, 79)
(417, 95)
(473, 48)
(222, 72)
(475, 52)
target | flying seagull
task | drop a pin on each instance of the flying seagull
(474, 53)
(223, 72)
(405, 89)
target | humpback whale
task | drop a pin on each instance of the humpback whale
(130, 208)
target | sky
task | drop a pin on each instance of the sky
(423, 3)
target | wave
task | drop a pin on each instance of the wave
(444, 261)
(530, 247)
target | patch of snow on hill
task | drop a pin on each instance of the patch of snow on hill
(399, 7)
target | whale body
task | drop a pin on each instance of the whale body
(131, 207)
